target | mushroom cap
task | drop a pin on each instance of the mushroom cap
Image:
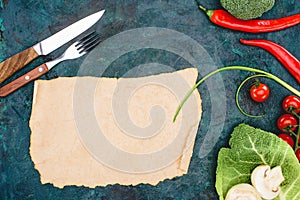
(267, 181)
(242, 191)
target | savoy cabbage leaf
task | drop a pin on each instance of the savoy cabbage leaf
(250, 148)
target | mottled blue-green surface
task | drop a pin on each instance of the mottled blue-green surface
(24, 23)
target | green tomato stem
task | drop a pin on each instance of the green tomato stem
(292, 133)
(242, 68)
(294, 113)
(298, 134)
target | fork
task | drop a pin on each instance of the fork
(76, 50)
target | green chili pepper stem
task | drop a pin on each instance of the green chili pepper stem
(209, 13)
(237, 96)
(243, 68)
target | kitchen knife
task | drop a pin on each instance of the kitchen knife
(19, 60)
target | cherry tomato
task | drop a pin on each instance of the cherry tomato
(291, 103)
(287, 138)
(287, 122)
(298, 154)
(259, 92)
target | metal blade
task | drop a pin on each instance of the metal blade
(62, 37)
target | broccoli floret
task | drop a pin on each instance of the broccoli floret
(247, 9)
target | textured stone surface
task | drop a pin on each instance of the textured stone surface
(27, 22)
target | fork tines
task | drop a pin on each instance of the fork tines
(88, 42)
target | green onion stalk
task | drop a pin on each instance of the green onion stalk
(259, 72)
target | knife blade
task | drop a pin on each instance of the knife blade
(46, 46)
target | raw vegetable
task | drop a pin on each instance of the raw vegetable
(260, 73)
(287, 123)
(287, 138)
(290, 123)
(247, 9)
(259, 92)
(290, 62)
(250, 148)
(226, 20)
(291, 104)
(267, 181)
(298, 154)
(265, 184)
(242, 191)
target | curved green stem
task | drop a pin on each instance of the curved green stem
(237, 95)
(268, 75)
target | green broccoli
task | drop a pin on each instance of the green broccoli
(247, 9)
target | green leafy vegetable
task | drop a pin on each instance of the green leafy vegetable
(250, 148)
(247, 9)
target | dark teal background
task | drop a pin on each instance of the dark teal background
(24, 23)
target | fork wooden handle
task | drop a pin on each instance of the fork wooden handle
(16, 62)
(23, 80)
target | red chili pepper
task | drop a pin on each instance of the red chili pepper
(225, 19)
(290, 62)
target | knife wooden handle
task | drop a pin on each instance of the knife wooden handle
(16, 62)
(23, 80)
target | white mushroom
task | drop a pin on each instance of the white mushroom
(267, 181)
(242, 191)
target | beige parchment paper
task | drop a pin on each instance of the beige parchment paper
(120, 106)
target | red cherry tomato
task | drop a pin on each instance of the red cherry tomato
(287, 122)
(291, 103)
(298, 154)
(259, 92)
(287, 138)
